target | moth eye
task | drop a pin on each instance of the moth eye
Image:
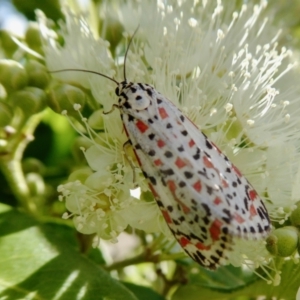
(117, 91)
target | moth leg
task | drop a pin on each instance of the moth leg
(125, 146)
(112, 109)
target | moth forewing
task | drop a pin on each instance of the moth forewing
(204, 199)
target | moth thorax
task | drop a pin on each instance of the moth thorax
(138, 98)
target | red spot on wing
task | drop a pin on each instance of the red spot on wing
(184, 241)
(252, 194)
(197, 186)
(217, 201)
(215, 229)
(180, 163)
(191, 143)
(142, 127)
(162, 112)
(184, 207)
(207, 162)
(252, 211)
(224, 183)
(200, 246)
(167, 217)
(158, 162)
(239, 218)
(172, 186)
(160, 143)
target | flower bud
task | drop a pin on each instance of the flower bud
(36, 184)
(37, 74)
(295, 215)
(3, 93)
(79, 143)
(283, 241)
(33, 38)
(114, 33)
(233, 129)
(64, 96)
(12, 75)
(30, 100)
(80, 174)
(96, 119)
(6, 114)
(147, 196)
(7, 43)
(31, 165)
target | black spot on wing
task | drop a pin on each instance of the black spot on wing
(141, 86)
(167, 172)
(206, 154)
(151, 136)
(152, 180)
(127, 105)
(168, 154)
(182, 184)
(209, 190)
(184, 132)
(188, 174)
(149, 92)
(197, 155)
(170, 208)
(208, 144)
(130, 118)
(151, 152)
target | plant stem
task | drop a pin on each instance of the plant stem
(11, 166)
(144, 257)
(12, 170)
(141, 258)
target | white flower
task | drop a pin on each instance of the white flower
(224, 69)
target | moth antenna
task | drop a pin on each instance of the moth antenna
(125, 57)
(86, 71)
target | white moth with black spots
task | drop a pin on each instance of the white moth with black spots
(203, 197)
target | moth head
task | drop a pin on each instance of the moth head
(133, 96)
(120, 88)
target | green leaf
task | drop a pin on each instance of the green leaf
(227, 278)
(142, 292)
(43, 262)
(290, 281)
(51, 8)
(224, 286)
